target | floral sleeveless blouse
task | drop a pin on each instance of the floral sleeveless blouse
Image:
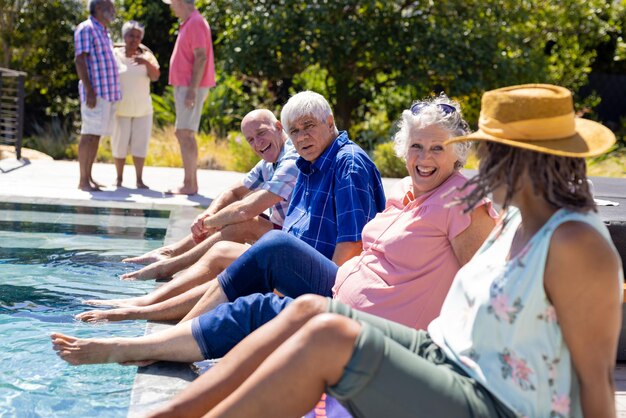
(499, 326)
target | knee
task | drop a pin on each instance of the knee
(276, 239)
(331, 331)
(221, 252)
(307, 307)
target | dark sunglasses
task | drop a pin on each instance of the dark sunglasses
(445, 108)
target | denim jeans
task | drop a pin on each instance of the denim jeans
(279, 261)
(218, 331)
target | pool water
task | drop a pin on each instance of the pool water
(52, 258)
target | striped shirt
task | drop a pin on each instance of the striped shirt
(278, 178)
(335, 196)
(92, 38)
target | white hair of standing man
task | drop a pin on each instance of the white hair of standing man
(184, 1)
(305, 103)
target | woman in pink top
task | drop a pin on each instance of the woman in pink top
(389, 278)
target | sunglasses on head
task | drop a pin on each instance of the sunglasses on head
(445, 108)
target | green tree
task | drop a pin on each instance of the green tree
(37, 37)
(364, 47)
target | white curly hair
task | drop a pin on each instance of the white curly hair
(434, 111)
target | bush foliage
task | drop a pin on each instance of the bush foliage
(369, 58)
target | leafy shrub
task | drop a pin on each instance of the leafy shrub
(387, 162)
(243, 157)
(164, 108)
(55, 138)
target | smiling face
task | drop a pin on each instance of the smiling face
(265, 137)
(311, 137)
(428, 161)
(132, 39)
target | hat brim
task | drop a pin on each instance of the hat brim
(591, 139)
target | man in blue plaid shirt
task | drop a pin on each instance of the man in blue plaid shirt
(337, 192)
(339, 188)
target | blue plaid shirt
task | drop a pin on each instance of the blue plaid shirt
(335, 196)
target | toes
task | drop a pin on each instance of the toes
(91, 316)
(56, 336)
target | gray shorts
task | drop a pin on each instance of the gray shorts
(397, 371)
(189, 117)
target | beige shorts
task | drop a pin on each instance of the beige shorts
(189, 117)
(99, 120)
(131, 134)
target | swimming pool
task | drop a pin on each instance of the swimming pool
(51, 258)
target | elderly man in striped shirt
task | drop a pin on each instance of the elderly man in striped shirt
(99, 85)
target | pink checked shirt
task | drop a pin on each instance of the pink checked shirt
(193, 33)
(407, 263)
(92, 37)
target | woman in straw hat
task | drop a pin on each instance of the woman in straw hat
(530, 325)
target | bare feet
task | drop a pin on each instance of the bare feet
(159, 254)
(87, 187)
(158, 270)
(118, 182)
(118, 303)
(141, 185)
(86, 350)
(183, 190)
(119, 314)
(95, 183)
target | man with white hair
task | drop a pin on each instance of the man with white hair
(337, 192)
(192, 73)
(99, 85)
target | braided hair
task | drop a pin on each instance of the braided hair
(562, 181)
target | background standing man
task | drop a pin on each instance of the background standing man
(99, 85)
(192, 73)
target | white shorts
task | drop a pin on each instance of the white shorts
(131, 134)
(189, 117)
(99, 120)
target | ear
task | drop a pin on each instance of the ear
(330, 121)
(279, 125)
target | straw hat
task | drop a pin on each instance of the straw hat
(538, 117)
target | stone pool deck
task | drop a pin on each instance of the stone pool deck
(47, 181)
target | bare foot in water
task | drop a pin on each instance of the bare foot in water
(153, 271)
(86, 350)
(153, 256)
(118, 303)
(118, 314)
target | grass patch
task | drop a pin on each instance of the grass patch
(231, 153)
